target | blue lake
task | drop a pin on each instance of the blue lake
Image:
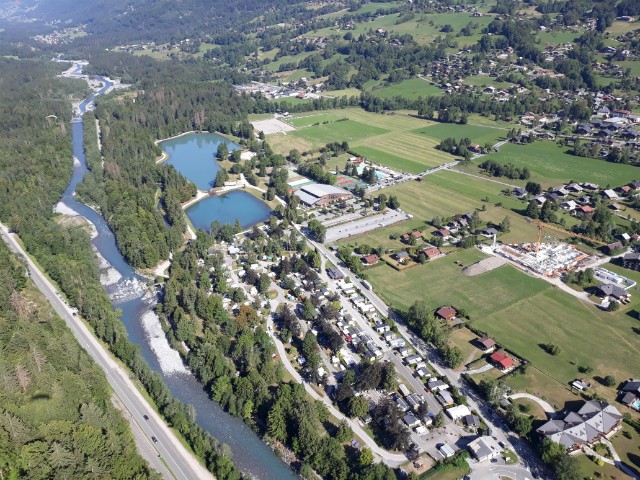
(194, 156)
(226, 208)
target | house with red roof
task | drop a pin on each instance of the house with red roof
(370, 259)
(431, 252)
(446, 313)
(502, 361)
(415, 234)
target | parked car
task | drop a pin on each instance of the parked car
(155, 440)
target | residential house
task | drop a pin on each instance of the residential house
(471, 421)
(574, 187)
(370, 259)
(334, 274)
(415, 234)
(405, 351)
(431, 252)
(631, 261)
(446, 451)
(443, 232)
(414, 400)
(487, 344)
(485, 448)
(630, 394)
(458, 412)
(445, 398)
(397, 342)
(612, 247)
(610, 194)
(585, 209)
(520, 192)
(502, 361)
(413, 359)
(410, 420)
(594, 421)
(569, 205)
(615, 292)
(446, 313)
(402, 257)
(436, 385)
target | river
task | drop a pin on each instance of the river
(129, 293)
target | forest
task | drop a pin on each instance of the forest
(35, 167)
(232, 355)
(56, 417)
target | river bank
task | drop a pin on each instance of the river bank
(136, 301)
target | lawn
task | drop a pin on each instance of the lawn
(440, 282)
(619, 27)
(541, 385)
(586, 336)
(634, 66)
(309, 120)
(551, 165)
(411, 89)
(628, 448)
(463, 338)
(398, 163)
(476, 133)
(485, 81)
(349, 130)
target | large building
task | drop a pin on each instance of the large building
(317, 195)
(594, 421)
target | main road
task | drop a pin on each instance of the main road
(166, 454)
(497, 425)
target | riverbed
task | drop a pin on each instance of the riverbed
(129, 292)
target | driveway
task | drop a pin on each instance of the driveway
(546, 406)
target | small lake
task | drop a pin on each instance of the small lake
(194, 156)
(226, 208)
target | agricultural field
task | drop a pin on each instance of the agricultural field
(476, 133)
(399, 140)
(441, 282)
(551, 165)
(411, 89)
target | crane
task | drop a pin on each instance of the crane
(543, 225)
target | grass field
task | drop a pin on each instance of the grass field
(485, 81)
(445, 193)
(399, 140)
(411, 89)
(478, 134)
(441, 283)
(551, 165)
(557, 37)
(308, 120)
(349, 130)
(618, 27)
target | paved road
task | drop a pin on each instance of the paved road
(484, 368)
(496, 423)
(180, 463)
(546, 406)
(391, 459)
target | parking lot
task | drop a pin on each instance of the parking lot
(364, 225)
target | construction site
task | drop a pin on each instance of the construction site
(548, 259)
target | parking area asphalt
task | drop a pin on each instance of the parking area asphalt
(364, 225)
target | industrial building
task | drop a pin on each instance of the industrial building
(551, 260)
(317, 195)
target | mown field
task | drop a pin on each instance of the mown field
(551, 165)
(411, 89)
(524, 314)
(399, 140)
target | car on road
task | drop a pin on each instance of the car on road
(146, 417)
(155, 440)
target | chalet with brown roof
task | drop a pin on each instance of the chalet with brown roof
(415, 234)
(443, 232)
(502, 361)
(487, 344)
(370, 259)
(431, 252)
(446, 313)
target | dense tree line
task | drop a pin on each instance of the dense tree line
(232, 355)
(508, 170)
(56, 418)
(35, 166)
